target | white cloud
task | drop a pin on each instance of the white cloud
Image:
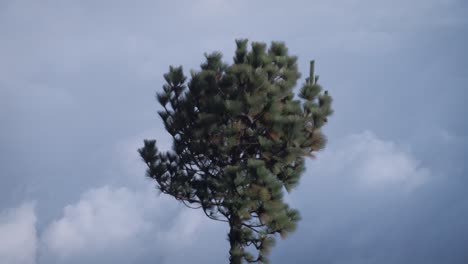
(103, 218)
(109, 219)
(18, 241)
(358, 198)
(372, 163)
(383, 163)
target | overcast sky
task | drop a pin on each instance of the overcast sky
(77, 86)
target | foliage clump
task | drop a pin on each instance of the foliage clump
(239, 140)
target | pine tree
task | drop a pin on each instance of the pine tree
(239, 142)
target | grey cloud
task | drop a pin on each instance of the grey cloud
(18, 243)
(103, 218)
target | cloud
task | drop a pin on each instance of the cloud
(357, 178)
(131, 224)
(107, 218)
(374, 163)
(369, 200)
(18, 241)
(103, 218)
(110, 219)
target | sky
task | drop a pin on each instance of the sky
(77, 97)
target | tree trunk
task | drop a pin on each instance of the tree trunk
(236, 251)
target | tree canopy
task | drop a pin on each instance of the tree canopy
(240, 138)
